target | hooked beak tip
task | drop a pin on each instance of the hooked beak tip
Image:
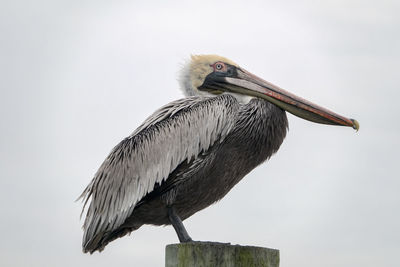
(356, 125)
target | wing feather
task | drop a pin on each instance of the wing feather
(177, 132)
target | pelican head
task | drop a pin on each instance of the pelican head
(213, 75)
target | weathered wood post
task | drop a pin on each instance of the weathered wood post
(205, 254)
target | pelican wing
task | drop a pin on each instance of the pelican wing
(177, 132)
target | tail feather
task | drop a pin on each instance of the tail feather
(100, 240)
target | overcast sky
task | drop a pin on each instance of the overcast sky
(78, 76)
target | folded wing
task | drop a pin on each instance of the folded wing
(177, 132)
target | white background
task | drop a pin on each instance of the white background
(78, 76)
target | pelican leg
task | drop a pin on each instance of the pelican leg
(178, 225)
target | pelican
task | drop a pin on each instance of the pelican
(191, 152)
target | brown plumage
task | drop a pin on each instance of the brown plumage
(191, 152)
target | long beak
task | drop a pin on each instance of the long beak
(248, 84)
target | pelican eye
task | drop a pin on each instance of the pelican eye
(219, 66)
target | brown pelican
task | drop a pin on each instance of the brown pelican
(191, 152)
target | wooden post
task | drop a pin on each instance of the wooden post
(204, 254)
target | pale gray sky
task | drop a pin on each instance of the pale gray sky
(78, 76)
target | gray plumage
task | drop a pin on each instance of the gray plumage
(191, 152)
(188, 154)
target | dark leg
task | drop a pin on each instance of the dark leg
(178, 225)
